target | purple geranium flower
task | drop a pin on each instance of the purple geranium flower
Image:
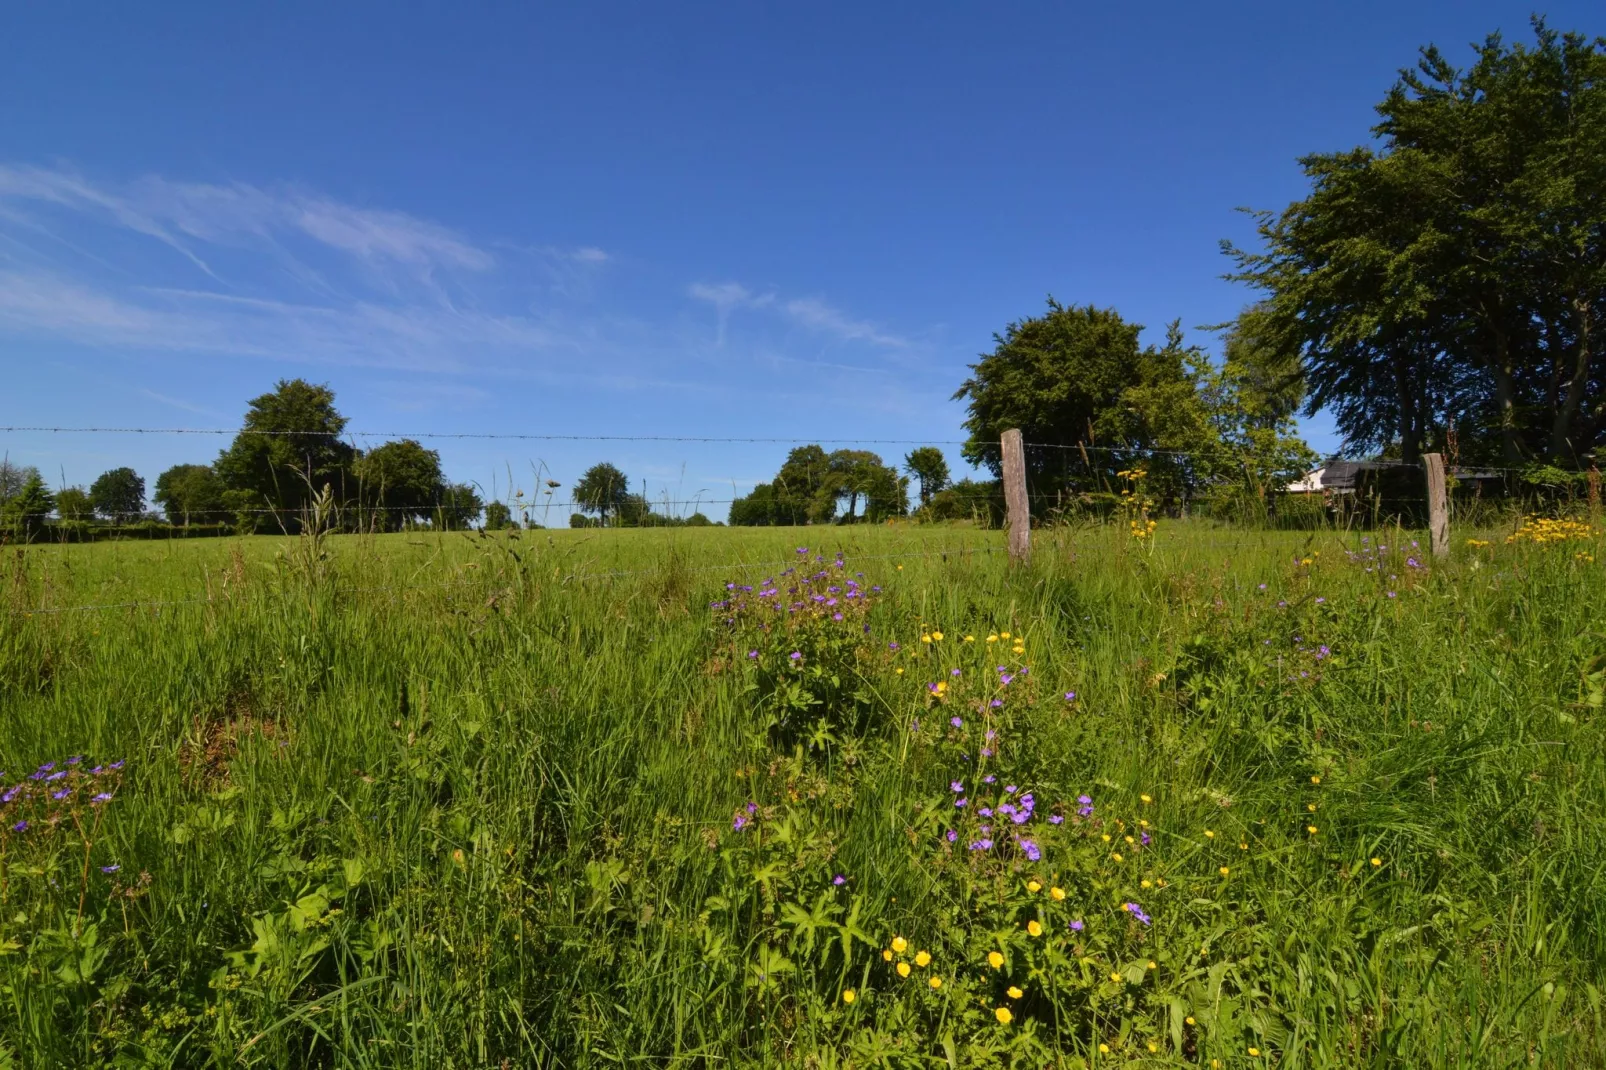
(1031, 850)
(956, 722)
(1055, 819)
(1077, 926)
(839, 880)
(740, 822)
(113, 868)
(953, 834)
(956, 785)
(1137, 912)
(796, 655)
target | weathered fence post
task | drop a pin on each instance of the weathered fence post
(1015, 500)
(1438, 505)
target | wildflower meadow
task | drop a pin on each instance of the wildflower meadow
(1173, 795)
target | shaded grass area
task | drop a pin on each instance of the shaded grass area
(469, 801)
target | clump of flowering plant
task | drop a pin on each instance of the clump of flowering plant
(804, 638)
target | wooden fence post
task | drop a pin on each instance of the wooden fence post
(1015, 500)
(1438, 505)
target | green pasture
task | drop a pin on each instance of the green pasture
(526, 800)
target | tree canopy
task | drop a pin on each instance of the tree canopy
(25, 511)
(190, 493)
(118, 495)
(1455, 275)
(603, 490)
(402, 479)
(927, 464)
(288, 450)
(813, 485)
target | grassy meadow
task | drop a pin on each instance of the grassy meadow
(1214, 798)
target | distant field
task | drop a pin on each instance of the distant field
(566, 799)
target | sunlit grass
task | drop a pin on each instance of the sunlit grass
(453, 800)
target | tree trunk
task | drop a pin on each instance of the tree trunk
(1561, 444)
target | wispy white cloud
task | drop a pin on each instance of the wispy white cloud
(817, 315)
(809, 312)
(179, 403)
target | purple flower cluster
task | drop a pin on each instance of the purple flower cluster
(1137, 912)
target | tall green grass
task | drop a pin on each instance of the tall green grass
(468, 801)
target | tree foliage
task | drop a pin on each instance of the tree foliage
(288, 450)
(118, 495)
(403, 480)
(73, 504)
(813, 486)
(1456, 274)
(604, 491)
(13, 477)
(927, 464)
(191, 493)
(26, 510)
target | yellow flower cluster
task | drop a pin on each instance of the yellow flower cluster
(1540, 530)
(1142, 529)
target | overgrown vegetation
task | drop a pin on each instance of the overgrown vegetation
(436, 800)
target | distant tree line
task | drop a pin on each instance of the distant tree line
(287, 452)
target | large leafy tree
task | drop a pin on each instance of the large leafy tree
(26, 511)
(1456, 272)
(1088, 397)
(287, 451)
(13, 477)
(190, 493)
(403, 479)
(603, 490)
(927, 464)
(72, 503)
(118, 495)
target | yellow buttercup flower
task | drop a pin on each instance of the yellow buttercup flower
(1057, 894)
(935, 982)
(899, 944)
(970, 638)
(1377, 861)
(1311, 829)
(1189, 1020)
(923, 959)
(995, 960)
(1034, 928)
(899, 671)
(1225, 871)
(1116, 856)
(1254, 1052)
(1115, 977)
(849, 995)
(1033, 887)
(1243, 847)
(1315, 780)
(925, 638)
(903, 969)
(937, 636)
(1003, 635)
(1146, 798)
(1129, 839)
(1146, 883)
(1104, 1049)
(1209, 835)
(1014, 993)
(886, 953)
(1003, 1016)
(1153, 1047)
(1153, 965)
(1311, 807)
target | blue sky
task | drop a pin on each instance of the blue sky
(691, 219)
